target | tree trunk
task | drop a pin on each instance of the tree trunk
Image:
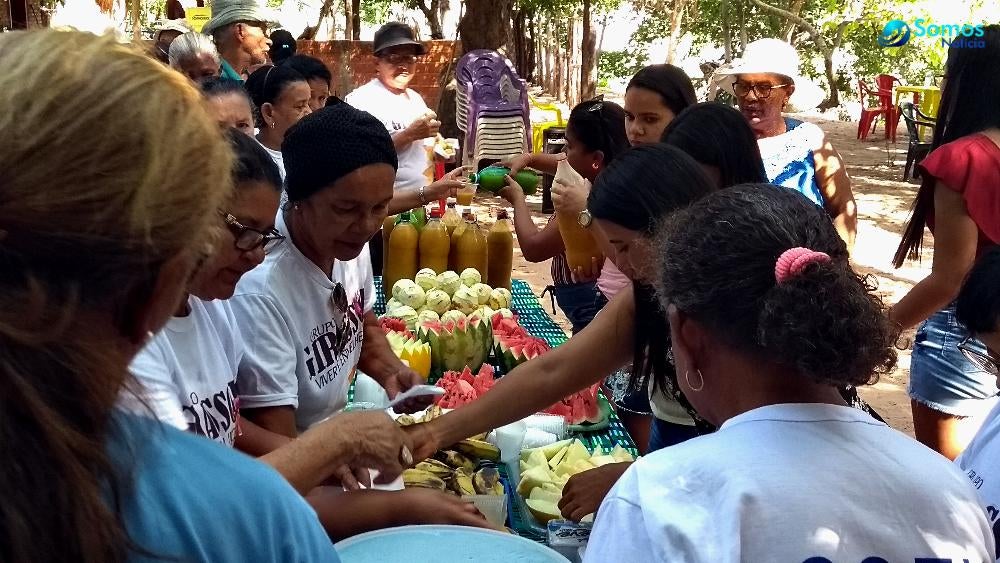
(348, 19)
(433, 15)
(727, 32)
(588, 55)
(136, 19)
(794, 8)
(486, 24)
(356, 20)
(676, 17)
(821, 44)
(311, 32)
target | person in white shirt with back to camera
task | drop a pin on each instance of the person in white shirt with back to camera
(978, 310)
(767, 319)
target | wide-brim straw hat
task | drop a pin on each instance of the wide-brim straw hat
(225, 12)
(773, 56)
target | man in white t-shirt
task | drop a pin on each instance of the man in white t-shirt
(978, 309)
(401, 109)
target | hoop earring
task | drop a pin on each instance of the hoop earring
(701, 380)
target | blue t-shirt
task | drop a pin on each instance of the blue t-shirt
(191, 499)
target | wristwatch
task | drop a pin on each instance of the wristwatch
(584, 219)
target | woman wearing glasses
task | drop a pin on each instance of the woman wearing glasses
(187, 375)
(796, 154)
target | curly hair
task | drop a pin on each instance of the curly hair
(717, 261)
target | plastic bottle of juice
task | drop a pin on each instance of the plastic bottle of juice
(471, 249)
(491, 179)
(435, 244)
(500, 244)
(451, 218)
(581, 249)
(402, 262)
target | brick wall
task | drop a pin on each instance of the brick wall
(352, 64)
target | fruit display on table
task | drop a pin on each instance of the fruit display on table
(582, 407)
(463, 388)
(406, 346)
(545, 471)
(452, 313)
(466, 469)
(513, 344)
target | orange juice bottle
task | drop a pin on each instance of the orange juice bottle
(471, 249)
(451, 218)
(435, 244)
(582, 251)
(402, 252)
(500, 244)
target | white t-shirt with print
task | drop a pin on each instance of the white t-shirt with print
(396, 112)
(187, 372)
(981, 464)
(303, 332)
(794, 483)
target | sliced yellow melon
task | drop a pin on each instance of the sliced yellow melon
(548, 496)
(543, 510)
(532, 478)
(576, 452)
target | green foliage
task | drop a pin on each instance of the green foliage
(377, 12)
(620, 64)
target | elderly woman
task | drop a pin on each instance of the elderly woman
(194, 55)
(796, 154)
(766, 324)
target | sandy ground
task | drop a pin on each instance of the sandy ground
(876, 168)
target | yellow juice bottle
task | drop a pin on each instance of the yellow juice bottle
(500, 245)
(402, 253)
(435, 244)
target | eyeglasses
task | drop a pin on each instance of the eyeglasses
(249, 239)
(982, 361)
(762, 91)
(399, 59)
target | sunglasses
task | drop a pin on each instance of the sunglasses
(249, 239)
(762, 91)
(982, 361)
(597, 107)
(399, 59)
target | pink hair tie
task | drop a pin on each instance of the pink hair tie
(794, 260)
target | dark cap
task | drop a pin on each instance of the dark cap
(394, 34)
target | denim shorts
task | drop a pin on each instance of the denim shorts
(578, 302)
(941, 377)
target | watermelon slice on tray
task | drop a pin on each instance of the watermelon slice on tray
(463, 388)
(584, 411)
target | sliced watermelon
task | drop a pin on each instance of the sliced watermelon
(461, 393)
(484, 380)
(515, 350)
(578, 408)
(390, 324)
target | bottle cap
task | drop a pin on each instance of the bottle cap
(502, 214)
(436, 213)
(451, 202)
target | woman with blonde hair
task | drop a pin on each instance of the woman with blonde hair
(98, 237)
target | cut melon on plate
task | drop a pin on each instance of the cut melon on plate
(543, 511)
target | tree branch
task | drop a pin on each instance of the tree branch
(802, 22)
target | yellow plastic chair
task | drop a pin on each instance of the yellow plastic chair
(538, 129)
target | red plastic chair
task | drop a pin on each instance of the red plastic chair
(869, 115)
(885, 83)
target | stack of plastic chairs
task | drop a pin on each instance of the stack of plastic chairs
(492, 107)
